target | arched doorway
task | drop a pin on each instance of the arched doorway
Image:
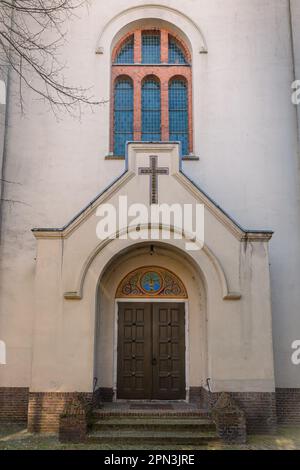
(151, 335)
(151, 326)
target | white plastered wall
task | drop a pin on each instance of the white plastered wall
(71, 263)
(245, 135)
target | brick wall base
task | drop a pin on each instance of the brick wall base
(288, 406)
(14, 404)
(45, 409)
(230, 420)
(259, 409)
(72, 429)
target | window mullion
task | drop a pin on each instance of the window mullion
(138, 47)
(164, 52)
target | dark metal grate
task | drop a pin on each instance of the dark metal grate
(178, 113)
(151, 47)
(151, 110)
(123, 115)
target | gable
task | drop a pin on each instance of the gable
(178, 188)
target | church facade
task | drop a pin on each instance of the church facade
(98, 289)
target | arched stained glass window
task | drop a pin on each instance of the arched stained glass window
(151, 80)
(176, 52)
(151, 47)
(178, 113)
(151, 110)
(123, 114)
(126, 52)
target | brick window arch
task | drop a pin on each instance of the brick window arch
(156, 66)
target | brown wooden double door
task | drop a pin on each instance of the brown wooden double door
(151, 351)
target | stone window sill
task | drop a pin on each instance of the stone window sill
(187, 158)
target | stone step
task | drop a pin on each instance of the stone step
(151, 437)
(150, 414)
(153, 424)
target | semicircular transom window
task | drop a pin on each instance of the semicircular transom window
(149, 282)
(176, 52)
(126, 52)
(152, 59)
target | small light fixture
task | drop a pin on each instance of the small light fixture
(152, 252)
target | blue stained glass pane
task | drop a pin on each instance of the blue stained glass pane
(178, 121)
(151, 113)
(183, 138)
(123, 115)
(151, 48)
(123, 121)
(151, 137)
(178, 113)
(176, 53)
(126, 53)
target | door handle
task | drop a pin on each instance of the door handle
(154, 361)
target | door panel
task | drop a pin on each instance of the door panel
(134, 351)
(168, 352)
(151, 351)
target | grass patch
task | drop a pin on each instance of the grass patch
(16, 437)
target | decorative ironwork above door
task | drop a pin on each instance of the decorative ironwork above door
(151, 281)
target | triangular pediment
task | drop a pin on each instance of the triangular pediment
(169, 185)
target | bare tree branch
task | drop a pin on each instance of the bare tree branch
(31, 34)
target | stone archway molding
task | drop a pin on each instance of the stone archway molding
(204, 252)
(153, 11)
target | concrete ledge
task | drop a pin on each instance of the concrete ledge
(188, 158)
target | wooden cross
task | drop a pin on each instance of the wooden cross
(154, 171)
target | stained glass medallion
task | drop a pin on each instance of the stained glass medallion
(150, 282)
